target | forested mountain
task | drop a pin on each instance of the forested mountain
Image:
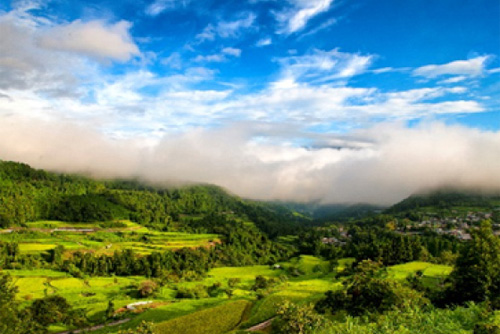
(28, 194)
(445, 199)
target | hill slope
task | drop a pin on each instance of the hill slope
(447, 203)
(28, 194)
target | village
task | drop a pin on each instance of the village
(455, 225)
(458, 226)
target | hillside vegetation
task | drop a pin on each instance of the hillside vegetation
(123, 257)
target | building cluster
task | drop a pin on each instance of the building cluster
(458, 226)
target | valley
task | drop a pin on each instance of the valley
(198, 260)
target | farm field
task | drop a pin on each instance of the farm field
(303, 279)
(93, 293)
(42, 236)
(429, 270)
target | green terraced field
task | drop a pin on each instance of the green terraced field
(401, 271)
(42, 236)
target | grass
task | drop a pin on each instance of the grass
(310, 266)
(36, 272)
(401, 271)
(216, 320)
(243, 273)
(307, 288)
(267, 307)
(52, 224)
(31, 287)
(35, 247)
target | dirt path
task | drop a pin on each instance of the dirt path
(261, 326)
(96, 327)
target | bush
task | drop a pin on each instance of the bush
(199, 291)
(462, 320)
(297, 319)
(262, 283)
(147, 288)
(487, 329)
(143, 328)
(232, 282)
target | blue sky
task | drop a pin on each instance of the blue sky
(286, 82)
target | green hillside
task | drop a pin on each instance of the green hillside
(446, 200)
(28, 194)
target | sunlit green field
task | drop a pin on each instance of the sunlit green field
(303, 279)
(401, 271)
(93, 293)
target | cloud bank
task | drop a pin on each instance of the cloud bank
(379, 165)
(312, 124)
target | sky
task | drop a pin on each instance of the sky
(335, 101)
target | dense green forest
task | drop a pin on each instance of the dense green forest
(27, 194)
(77, 252)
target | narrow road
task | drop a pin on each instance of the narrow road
(261, 326)
(96, 327)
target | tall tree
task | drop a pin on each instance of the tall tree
(477, 272)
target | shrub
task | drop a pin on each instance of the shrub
(487, 329)
(147, 288)
(199, 291)
(262, 283)
(297, 319)
(144, 328)
(232, 282)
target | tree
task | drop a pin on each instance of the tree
(476, 276)
(370, 291)
(297, 319)
(110, 310)
(49, 310)
(12, 320)
(147, 288)
(55, 309)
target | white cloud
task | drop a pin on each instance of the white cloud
(302, 103)
(470, 68)
(93, 38)
(219, 57)
(232, 51)
(232, 28)
(227, 29)
(382, 70)
(322, 26)
(392, 163)
(453, 80)
(160, 6)
(213, 58)
(208, 34)
(25, 65)
(264, 42)
(174, 60)
(323, 66)
(295, 18)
